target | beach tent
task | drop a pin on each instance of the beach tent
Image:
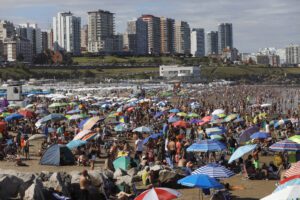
(57, 155)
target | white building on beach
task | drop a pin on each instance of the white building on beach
(175, 71)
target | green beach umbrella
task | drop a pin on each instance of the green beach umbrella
(295, 138)
(193, 115)
(122, 163)
(56, 105)
(230, 117)
(181, 114)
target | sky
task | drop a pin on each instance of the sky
(256, 23)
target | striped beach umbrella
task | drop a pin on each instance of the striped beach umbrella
(90, 123)
(285, 145)
(294, 170)
(214, 170)
(159, 193)
(206, 146)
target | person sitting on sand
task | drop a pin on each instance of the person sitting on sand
(84, 182)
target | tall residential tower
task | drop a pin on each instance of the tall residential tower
(225, 36)
(197, 42)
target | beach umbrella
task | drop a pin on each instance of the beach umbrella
(290, 192)
(76, 117)
(13, 106)
(295, 138)
(181, 114)
(281, 122)
(214, 170)
(206, 118)
(217, 121)
(81, 134)
(200, 181)
(216, 137)
(41, 106)
(285, 145)
(93, 112)
(5, 114)
(37, 137)
(90, 123)
(75, 143)
(120, 128)
(241, 151)
(289, 179)
(89, 136)
(71, 112)
(214, 131)
(82, 122)
(195, 121)
(29, 106)
(42, 112)
(259, 135)
(193, 115)
(158, 193)
(175, 110)
(237, 120)
(222, 115)
(181, 123)
(293, 170)
(231, 117)
(14, 116)
(245, 135)
(206, 146)
(173, 119)
(265, 105)
(26, 113)
(142, 129)
(218, 111)
(56, 105)
(153, 136)
(295, 181)
(52, 117)
(158, 114)
(122, 163)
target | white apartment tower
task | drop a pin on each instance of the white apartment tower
(100, 31)
(197, 42)
(66, 32)
(182, 38)
(292, 54)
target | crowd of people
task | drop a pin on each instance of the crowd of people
(171, 124)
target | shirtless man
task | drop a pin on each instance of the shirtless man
(84, 183)
(172, 149)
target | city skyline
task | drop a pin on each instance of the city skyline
(257, 24)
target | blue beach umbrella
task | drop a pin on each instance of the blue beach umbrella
(206, 146)
(52, 117)
(175, 110)
(242, 151)
(259, 135)
(214, 170)
(14, 116)
(153, 136)
(245, 135)
(75, 143)
(214, 131)
(200, 181)
(173, 119)
(142, 129)
(285, 145)
(120, 128)
(73, 111)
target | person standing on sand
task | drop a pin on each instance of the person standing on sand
(84, 183)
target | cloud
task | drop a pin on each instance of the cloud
(256, 23)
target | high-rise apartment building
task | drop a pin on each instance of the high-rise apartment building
(44, 41)
(198, 42)
(18, 49)
(154, 42)
(34, 34)
(225, 36)
(212, 43)
(84, 38)
(50, 39)
(141, 37)
(167, 31)
(182, 38)
(66, 32)
(292, 54)
(7, 30)
(131, 27)
(100, 31)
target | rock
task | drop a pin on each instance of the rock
(75, 176)
(14, 184)
(96, 178)
(108, 173)
(119, 172)
(57, 183)
(27, 180)
(124, 180)
(166, 175)
(132, 171)
(35, 191)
